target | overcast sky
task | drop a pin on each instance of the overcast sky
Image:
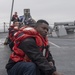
(50, 10)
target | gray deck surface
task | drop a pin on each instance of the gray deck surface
(62, 49)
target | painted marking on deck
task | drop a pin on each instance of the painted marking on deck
(1, 41)
(54, 45)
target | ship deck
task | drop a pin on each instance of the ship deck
(62, 49)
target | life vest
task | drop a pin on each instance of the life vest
(18, 54)
(12, 30)
(19, 33)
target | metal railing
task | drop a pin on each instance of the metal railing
(4, 27)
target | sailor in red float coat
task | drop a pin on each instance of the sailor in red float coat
(31, 53)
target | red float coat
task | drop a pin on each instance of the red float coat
(18, 54)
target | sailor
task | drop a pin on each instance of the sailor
(31, 55)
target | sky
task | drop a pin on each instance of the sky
(49, 10)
